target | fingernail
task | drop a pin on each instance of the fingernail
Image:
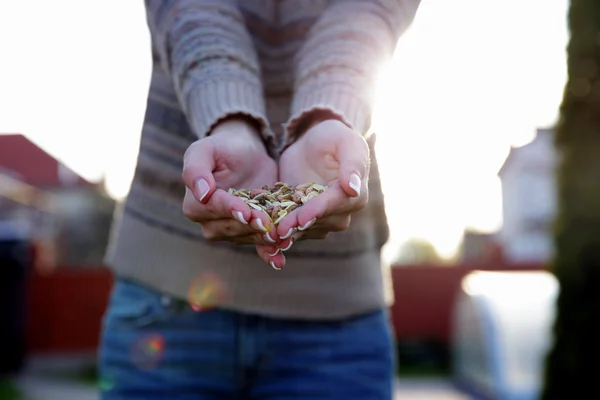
(275, 253)
(203, 188)
(259, 222)
(355, 183)
(289, 233)
(307, 225)
(274, 266)
(268, 238)
(288, 246)
(240, 217)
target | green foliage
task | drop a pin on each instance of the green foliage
(573, 365)
(417, 251)
(9, 390)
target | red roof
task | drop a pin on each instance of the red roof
(33, 165)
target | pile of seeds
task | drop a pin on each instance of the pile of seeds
(279, 200)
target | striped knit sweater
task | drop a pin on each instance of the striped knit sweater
(276, 61)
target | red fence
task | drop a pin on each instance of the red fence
(424, 298)
(65, 307)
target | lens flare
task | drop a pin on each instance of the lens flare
(106, 383)
(206, 292)
(147, 352)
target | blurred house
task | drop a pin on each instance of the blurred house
(35, 186)
(529, 200)
(477, 247)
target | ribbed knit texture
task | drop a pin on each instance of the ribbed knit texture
(276, 61)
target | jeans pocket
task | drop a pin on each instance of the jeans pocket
(132, 306)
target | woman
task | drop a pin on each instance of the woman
(245, 94)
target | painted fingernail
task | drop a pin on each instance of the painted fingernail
(288, 246)
(355, 183)
(203, 188)
(289, 233)
(274, 266)
(240, 217)
(307, 225)
(260, 224)
(268, 238)
(275, 253)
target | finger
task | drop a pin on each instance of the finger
(198, 167)
(289, 225)
(353, 156)
(271, 250)
(288, 234)
(223, 228)
(286, 244)
(309, 234)
(331, 202)
(333, 223)
(271, 256)
(224, 205)
(221, 205)
(261, 222)
(219, 231)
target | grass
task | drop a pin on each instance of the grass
(87, 376)
(10, 390)
(416, 371)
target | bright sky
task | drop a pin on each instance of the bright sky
(470, 78)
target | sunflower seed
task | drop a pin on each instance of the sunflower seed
(279, 200)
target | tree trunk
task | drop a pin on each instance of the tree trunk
(573, 363)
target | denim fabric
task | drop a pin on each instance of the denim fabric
(156, 347)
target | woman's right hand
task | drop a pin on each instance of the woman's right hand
(328, 153)
(233, 156)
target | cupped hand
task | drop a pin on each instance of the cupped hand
(332, 154)
(233, 156)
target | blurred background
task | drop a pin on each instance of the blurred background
(464, 115)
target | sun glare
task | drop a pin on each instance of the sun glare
(450, 104)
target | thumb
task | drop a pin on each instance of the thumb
(353, 156)
(198, 167)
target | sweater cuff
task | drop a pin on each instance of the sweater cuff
(338, 101)
(210, 102)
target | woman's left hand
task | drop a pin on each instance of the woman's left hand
(328, 153)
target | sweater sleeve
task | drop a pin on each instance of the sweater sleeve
(206, 49)
(336, 69)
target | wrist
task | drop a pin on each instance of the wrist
(311, 119)
(240, 126)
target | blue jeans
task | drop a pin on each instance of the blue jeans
(156, 347)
